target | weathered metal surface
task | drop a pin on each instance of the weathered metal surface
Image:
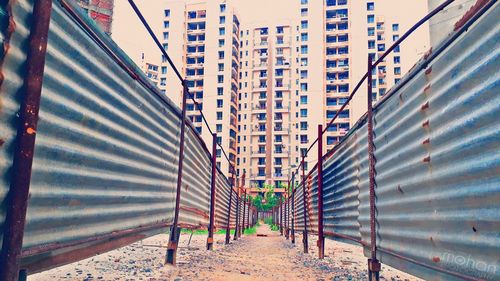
(437, 161)
(222, 199)
(106, 149)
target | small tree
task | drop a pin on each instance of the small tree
(266, 202)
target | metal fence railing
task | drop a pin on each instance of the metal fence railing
(415, 181)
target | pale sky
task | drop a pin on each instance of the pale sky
(132, 37)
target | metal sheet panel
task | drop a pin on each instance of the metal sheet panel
(438, 186)
(222, 200)
(299, 209)
(12, 64)
(438, 164)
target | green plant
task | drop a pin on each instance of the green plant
(268, 220)
(250, 231)
(274, 227)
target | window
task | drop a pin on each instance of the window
(304, 24)
(222, 31)
(163, 81)
(303, 112)
(397, 70)
(395, 38)
(303, 99)
(163, 70)
(381, 47)
(222, 8)
(167, 13)
(303, 12)
(397, 59)
(303, 37)
(221, 42)
(371, 31)
(303, 74)
(371, 44)
(219, 115)
(220, 78)
(222, 19)
(165, 35)
(397, 49)
(303, 2)
(220, 91)
(166, 24)
(221, 67)
(303, 87)
(219, 103)
(221, 55)
(331, 3)
(395, 27)
(371, 18)
(370, 6)
(303, 50)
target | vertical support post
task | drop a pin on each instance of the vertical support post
(17, 198)
(210, 239)
(321, 237)
(286, 217)
(228, 225)
(373, 263)
(250, 217)
(174, 230)
(304, 238)
(237, 227)
(281, 215)
(293, 208)
(244, 211)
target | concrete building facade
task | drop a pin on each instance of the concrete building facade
(336, 37)
(267, 98)
(202, 39)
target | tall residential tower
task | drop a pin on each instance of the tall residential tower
(202, 39)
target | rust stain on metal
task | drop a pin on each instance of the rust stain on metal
(426, 141)
(471, 12)
(30, 131)
(400, 189)
(195, 211)
(428, 70)
(428, 53)
(2, 142)
(436, 259)
(426, 124)
(427, 89)
(427, 159)
(425, 106)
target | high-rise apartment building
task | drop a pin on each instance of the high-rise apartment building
(335, 39)
(203, 41)
(267, 97)
(99, 10)
(150, 69)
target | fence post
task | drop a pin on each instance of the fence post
(281, 215)
(244, 211)
(373, 263)
(17, 203)
(249, 208)
(174, 230)
(237, 227)
(286, 216)
(210, 239)
(228, 225)
(304, 238)
(293, 208)
(321, 237)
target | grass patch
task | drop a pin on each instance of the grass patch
(274, 227)
(251, 230)
(204, 231)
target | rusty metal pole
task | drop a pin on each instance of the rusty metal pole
(304, 238)
(237, 227)
(228, 225)
(321, 237)
(244, 211)
(287, 208)
(249, 208)
(210, 239)
(293, 208)
(281, 215)
(373, 263)
(17, 198)
(174, 230)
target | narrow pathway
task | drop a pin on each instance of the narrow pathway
(265, 256)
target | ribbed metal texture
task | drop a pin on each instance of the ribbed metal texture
(12, 59)
(438, 166)
(312, 202)
(232, 222)
(221, 200)
(196, 177)
(299, 209)
(106, 153)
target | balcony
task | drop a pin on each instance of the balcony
(279, 164)
(281, 65)
(260, 45)
(281, 108)
(259, 87)
(282, 87)
(259, 66)
(281, 130)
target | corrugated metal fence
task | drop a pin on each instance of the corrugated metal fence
(437, 140)
(105, 161)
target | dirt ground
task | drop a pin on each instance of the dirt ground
(254, 257)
